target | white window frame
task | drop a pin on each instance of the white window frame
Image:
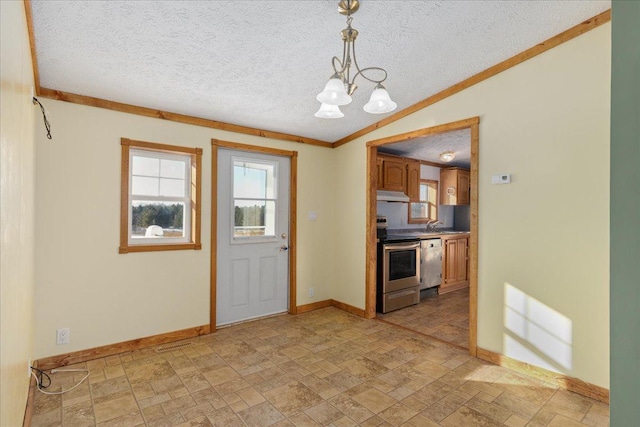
(186, 200)
(254, 239)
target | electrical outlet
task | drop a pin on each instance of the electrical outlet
(62, 336)
(312, 292)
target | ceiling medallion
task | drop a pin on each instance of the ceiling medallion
(342, 85)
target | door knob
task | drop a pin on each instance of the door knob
(284, 248)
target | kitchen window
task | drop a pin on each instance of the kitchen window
(426, 210)
(160, 197)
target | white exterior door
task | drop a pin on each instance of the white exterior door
(253, 235)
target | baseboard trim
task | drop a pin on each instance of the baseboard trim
(330, 303)
(560, 380)
(348, 308)
(313, 306)
(117, 348)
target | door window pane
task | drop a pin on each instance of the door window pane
(254, 193)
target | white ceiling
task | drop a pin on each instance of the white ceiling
(429, 147)
(261, 63)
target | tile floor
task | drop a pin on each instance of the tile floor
(323, 368)
(443, 316)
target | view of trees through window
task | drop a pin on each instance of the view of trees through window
(168, 216)
(250, 220)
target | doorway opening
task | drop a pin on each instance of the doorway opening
(253, 225)
(471, 124)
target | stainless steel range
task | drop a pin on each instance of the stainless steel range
(398, 274)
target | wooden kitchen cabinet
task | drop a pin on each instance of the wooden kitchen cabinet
(455, 262)
(413, 180)
(393, 174)
(455, 186)
(379, 168)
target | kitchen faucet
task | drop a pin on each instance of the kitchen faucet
(431, 225)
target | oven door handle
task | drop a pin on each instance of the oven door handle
(401, 246)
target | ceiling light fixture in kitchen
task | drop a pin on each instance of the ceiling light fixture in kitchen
(342, 85)
(447, 156)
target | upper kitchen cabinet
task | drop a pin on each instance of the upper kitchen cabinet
(393, 174)
(413, 180)
(455, 186)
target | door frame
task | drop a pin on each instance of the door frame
(293, 179)
(472, 123)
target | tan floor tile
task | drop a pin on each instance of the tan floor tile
(362, 367)
(211, 396)
(225, 417)
(374, 400)
(178, 405)
(492, 411)
(78, 415)
(115, 408)
(569, 404)
(324, 413)
(468, 417)
(172, 384)
(319, 368)
(351, 408)
(422, 421)
(261, 415)
(154, 400)
(292, 398)
(594, 419)
(221, 375)
(197, 411)
(113, 371)
(510, 403)
(197, 422)
(303, 420)
(397, 414)
(344, 422)
(153, 412)
(561, 421)
(128, 420)
(515, 421)
(445, 407)
(432, 369)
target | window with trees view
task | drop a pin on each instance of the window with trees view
(160, 197)
(426, 209)
(254, 195)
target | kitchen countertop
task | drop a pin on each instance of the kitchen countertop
(400, 235)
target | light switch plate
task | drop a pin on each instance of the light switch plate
(313, 216)
(503, 178)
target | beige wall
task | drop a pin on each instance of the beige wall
(543, 239)
(17, 115)
(104, 297)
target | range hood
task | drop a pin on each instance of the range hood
(392, 196)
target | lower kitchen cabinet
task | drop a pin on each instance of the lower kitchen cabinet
(455, 263)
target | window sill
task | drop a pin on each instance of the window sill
(155, 248)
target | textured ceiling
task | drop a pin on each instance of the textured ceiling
(261, 63)
(429, 147)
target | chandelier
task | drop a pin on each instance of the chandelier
(342, 85)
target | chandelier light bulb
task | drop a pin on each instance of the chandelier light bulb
(334, 93)
(380, 101)
(328, 111)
